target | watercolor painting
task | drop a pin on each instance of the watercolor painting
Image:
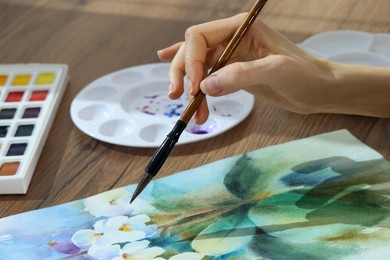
(323, 197)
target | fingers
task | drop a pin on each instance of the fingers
(168, 53)
(176, 74)
(202, 47)
(199, 40)
(239, 75)
(202, 113)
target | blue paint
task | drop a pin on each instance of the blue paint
(161, 105)
(173, 110)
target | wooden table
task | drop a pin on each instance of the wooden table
(96, 37)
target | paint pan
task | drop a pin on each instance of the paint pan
(29, 98)
(130, 107)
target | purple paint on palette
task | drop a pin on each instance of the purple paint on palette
(160, 104)
(149, 113)
(199, 132)
(152, 97)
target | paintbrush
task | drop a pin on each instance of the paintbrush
(166, 147)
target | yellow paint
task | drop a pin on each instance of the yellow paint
(125, 228)
(21, 80)
(113, 202)
(3, 79)
(45, 79)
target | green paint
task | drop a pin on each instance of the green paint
(317, 198)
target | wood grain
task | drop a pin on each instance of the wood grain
(98, 37)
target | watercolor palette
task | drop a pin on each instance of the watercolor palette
(29, 97)
(351, 47)
(130, 107)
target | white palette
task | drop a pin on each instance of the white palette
(130, 107)
(350, 47)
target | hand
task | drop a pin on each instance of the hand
(286, 76)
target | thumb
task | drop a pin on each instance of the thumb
(234, 77)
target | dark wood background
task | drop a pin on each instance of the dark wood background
(96, 37)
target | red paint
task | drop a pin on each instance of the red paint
(39, 95)
(14, 96)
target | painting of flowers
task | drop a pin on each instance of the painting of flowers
(323, 197)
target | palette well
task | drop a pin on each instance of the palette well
(29, 98)
(350, 47)
(130, 107)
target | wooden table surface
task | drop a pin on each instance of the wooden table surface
(96, 37)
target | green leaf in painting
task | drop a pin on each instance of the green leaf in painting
(268, 246)
(232, 232)
(278, 210)
(246, 179)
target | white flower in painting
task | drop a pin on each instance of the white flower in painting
(116, 203)
(120, 229)
(139, 251)
(84, 238)
(105, 252)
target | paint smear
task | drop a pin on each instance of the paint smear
(9, 169)
(209, 126)
(45, 79)
(21, 80)
(160, 104)
(3, 79)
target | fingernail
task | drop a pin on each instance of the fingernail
(189, 86)
(210, 86)
(170, 88)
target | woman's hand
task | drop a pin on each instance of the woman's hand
(286, 76)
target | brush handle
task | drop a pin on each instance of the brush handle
(165, 148)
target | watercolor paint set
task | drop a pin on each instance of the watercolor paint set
(130, 107)
(29, 98)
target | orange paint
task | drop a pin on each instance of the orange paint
(21, 80)
(9, 169)
(3, 80)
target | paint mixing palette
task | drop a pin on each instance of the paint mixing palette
(130, 107)
(29, 97)
(351, 47)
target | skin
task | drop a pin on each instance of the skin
(287, 77)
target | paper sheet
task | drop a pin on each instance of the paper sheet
(323, 197)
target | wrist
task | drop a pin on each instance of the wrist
(360, 90)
